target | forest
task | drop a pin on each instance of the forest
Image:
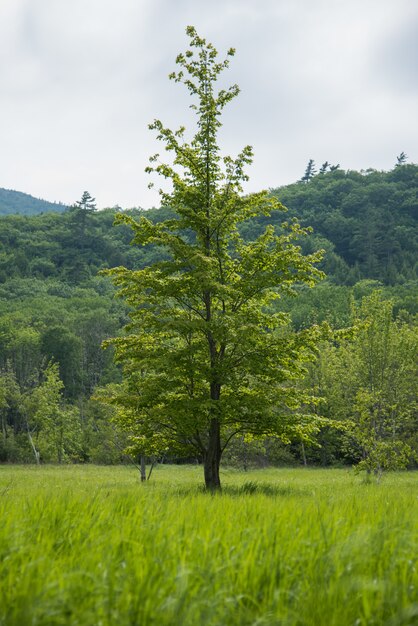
(57, 308)
(12, 202)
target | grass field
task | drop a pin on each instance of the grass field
(91, 546)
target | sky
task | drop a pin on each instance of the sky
(80, 80)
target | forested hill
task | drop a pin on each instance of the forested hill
(16, 202)
(55, 308)
(369, 217)
(366, 222)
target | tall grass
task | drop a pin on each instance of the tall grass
(92, 546)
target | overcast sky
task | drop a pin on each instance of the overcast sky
(80, 80)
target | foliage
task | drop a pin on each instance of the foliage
(10, 398)
(54, 430)
(54, 306)
(44, 302)
(370, 217)
(372, 386)
(206, 358)
(245, 453)
(17, 202)
(366, 221)
(311, 171)
(87, 202)
(401, 159)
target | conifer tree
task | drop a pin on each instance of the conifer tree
(401, 159)
(309, 172)
(87, 202)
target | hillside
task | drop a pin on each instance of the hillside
(56, 308)
(18, 203)
(365, 221)
(369, 217)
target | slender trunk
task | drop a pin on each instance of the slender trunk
(212, 458)
(3, 428)
(245, 459)
(151, 468)
(143, 469)
(60, 447)
(305, 462)
(35, 451)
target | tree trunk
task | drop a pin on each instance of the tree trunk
(3, 428)
(143, 468)
(35, 451)
(305, 462)
(212, 457)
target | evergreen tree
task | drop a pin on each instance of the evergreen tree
(80, 213)
(401, 159)
(87, 202)
(309, 172)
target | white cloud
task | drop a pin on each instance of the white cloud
(82, 79)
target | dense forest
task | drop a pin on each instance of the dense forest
(56, 309)
(17, 202)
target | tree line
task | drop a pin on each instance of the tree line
(56, 309)
(365, 221)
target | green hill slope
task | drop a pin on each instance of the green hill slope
(55, 307)
(369, 217)
(18, 203)
(366, 222)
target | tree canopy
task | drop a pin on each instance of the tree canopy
(205, 356)
(54, 306)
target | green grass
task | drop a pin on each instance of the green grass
(91, 546)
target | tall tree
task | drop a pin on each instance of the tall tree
(401, 159)
(9, 394)
(41, 405)
(80, 213)
(205, 358)
(50, 425)
(87, 202)
(309, 172)
(65, 348)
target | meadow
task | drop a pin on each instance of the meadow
(91, 546)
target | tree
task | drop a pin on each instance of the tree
(41, 405)
(51, 425)
(87, 202)
(80, 213)
(401, 159)
(205, 358)
(309, 172)
(371, 386)
(9, 395)
(61, 345)
(20, 350)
